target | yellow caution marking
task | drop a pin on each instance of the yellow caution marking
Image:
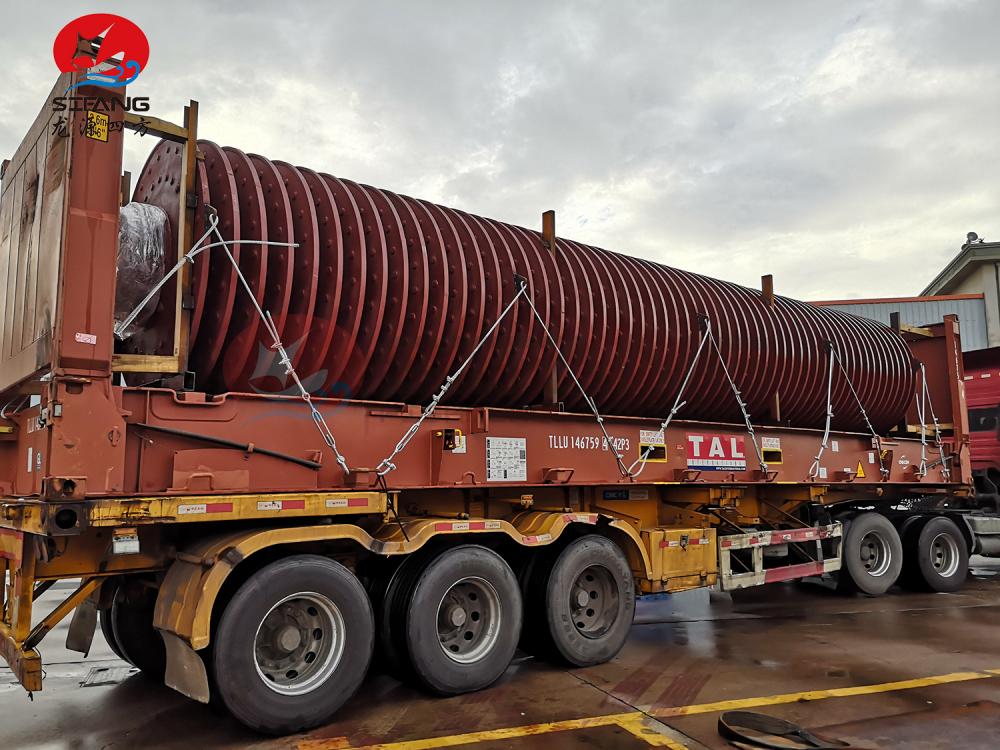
(487, 735)
(646, 730)
(639, 724)
(817, 695)
(861, 471)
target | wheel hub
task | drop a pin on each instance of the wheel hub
(288, 638)
(944, 555)
(594, 601)
(299, 643)
(875, 553)
(469, 620)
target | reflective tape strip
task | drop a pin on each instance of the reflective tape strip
(793, 571)
(11, 544)
(281, 505)
(201, 508)
(536, 539)
(347, 502)
(676, 543)
(468, 526)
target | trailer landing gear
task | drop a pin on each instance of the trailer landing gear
(293, 644)
(580, 609)
(936, 557)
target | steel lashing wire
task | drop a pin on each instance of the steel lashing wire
(608, 443)
(739, 396)
(196, 249)
(876, 438)
(265, 317)
(188, 257)
(814, 468)
(286, 361)
(678, 405)
(923, 400)
(386, 465)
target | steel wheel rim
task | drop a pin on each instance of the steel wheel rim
(468, 620)
(875, 553)
(593, 601)
(944, 555)
(299, 643)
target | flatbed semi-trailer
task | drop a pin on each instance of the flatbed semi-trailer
(260, 546)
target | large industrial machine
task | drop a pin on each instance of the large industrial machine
(275, 420)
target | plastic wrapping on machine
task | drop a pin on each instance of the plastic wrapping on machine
(141, 232)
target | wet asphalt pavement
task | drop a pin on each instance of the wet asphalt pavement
(907, 670)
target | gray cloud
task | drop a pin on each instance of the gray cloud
(845, 147)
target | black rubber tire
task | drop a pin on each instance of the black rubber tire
(107, 630)
(244, 691)
(415, 598)
(918, 556)
(107, 626)
(550, 631)
(393, 592)
(854, 576)
(131, 623)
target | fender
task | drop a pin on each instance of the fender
(187, 597)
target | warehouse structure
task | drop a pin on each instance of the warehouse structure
(969, 287)
(971, 310)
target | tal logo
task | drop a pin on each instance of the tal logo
(107, 49)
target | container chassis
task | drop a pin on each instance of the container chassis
(220, 547)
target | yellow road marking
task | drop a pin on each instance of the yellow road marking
(643, 727)
(452, 740)
(816, 695)
(632, 721)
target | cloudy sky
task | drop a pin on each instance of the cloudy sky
(846, 147)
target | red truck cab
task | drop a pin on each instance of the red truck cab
(982, 392)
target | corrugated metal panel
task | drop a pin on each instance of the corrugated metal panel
(32, 208)
(971, 314)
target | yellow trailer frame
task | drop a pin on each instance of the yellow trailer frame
(42, 542)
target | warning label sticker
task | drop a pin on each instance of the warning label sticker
(716, 452)
(506, 459)
(652, 437)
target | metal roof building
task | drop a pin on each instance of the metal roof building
(969, 287)
(920, 311)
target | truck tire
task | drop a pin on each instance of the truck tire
(580, 603)
(391, 592)
(457, 619)
(872, 555)
(107, 630)
(107, 625)
(293, 644)
(935, 555)
(131, 621)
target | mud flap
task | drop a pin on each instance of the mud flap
(186, 671)
(82, 627)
